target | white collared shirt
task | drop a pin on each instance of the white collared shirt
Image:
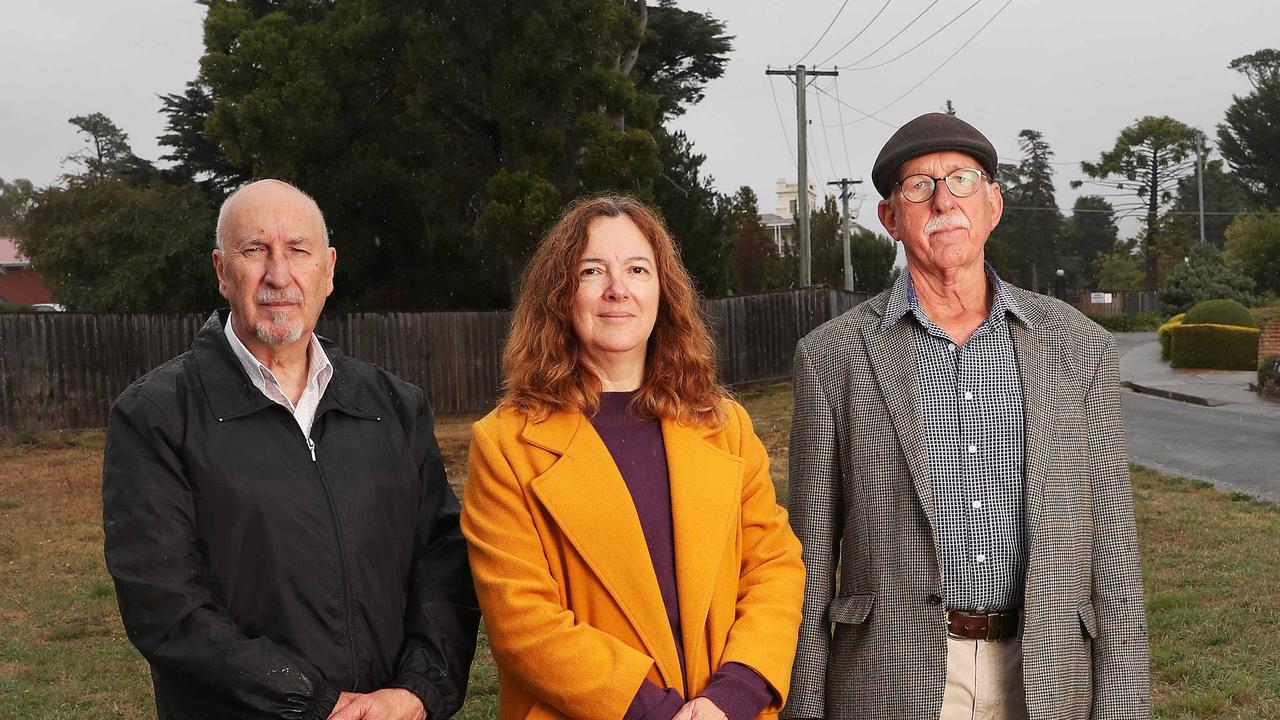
(319, 373)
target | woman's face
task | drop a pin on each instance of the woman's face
(616, 304)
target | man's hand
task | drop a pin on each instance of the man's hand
(700, 708)
(344, 699)
(387, 704)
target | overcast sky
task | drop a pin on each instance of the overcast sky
(1076, 71)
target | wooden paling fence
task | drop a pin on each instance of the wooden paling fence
(63, 370)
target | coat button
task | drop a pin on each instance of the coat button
(935, 599)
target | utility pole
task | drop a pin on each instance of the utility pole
(844, 184)
(799, 75)
(1200, 179)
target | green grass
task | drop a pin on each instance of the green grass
(1211, 565)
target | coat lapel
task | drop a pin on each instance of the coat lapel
(585, 494)
(1033, 347)
(893, 361)
(706, 489)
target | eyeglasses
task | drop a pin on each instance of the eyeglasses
(962, 183)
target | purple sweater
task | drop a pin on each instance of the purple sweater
(637, 449)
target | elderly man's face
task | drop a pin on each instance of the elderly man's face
(944, 232)
(275, 266)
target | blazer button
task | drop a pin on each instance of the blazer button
(935, 599)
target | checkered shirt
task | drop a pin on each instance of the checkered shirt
(971, 408)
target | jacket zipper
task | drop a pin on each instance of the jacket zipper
(342, 563)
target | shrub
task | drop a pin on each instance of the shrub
(1140, 322)
(1205, 276)
(1165, 337)
(1220, 312)
(1214, 347)
(1269, 375)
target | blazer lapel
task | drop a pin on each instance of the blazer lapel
(706, 489)
(893, 361)
(1033, 347)
(585, 494)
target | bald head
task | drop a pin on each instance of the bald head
(268, 193)
(274, 265)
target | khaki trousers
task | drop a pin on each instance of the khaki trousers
(984, 681)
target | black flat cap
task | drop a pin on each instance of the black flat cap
(930, 133)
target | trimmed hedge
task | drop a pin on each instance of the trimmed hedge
(1138, 322)
(1214, 347)
(1165, 338)
(1220, 312)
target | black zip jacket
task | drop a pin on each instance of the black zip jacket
(259, 571)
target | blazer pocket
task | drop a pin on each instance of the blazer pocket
(851, 609)
(1088, 619)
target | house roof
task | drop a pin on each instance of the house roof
(9, 254)
(772, 220)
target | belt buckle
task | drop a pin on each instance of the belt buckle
(995, 623)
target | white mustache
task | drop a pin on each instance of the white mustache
(950, 221)
(288, 295)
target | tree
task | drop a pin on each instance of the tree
(118, 236)
(1254, 241)
(1206, 275)
(407, 120)
(1148, 159)
(1032, 226)
(682, 51)
(107, 246)
(15, 201)
(695, 213)
(1091, 232)
(107, 151)
(1250, 137)
(1118, 271)
(1224, 199)
(757, 264)
(870, 255)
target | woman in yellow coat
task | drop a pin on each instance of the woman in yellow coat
(629, 554)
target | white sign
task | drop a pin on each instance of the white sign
(1099, 298)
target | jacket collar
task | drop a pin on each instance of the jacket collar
(231, 394)
(586, 495)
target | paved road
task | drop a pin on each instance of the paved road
(1230, 449)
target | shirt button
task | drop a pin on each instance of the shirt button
(977, 504)
(934, 599)
(968, 395)
(973, 449)
(951, 347)
(980, 557)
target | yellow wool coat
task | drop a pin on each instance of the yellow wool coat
(571, 603)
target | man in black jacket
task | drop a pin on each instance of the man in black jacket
(277, 521)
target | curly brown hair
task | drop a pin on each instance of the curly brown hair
(543, 363)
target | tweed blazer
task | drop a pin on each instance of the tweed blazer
(873, 639)
(571, 603)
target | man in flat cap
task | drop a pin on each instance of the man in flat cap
(959, 480)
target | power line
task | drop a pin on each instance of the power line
(826, 139)
(943, 64)
(865, 115)
(786, 138)
(844, 137)
(913, 47)
(823, 35)
(898, 34)
(855, 37)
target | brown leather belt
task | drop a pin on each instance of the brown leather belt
(974, 625)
